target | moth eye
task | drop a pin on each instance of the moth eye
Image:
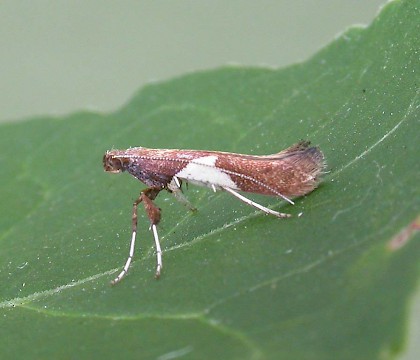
(112, 164)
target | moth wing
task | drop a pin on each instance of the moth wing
(295, 148)
(307, 163)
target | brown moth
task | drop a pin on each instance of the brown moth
(292, 172)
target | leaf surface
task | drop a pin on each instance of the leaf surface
(333, 283)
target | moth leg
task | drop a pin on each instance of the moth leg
(256, 205)
(132, 244)
(153, 212)
(158, 251)
(175, 187)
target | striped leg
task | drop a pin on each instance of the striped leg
(158, 251)
(153, 213)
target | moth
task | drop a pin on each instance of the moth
(292, 172)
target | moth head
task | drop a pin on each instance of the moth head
(112, 163)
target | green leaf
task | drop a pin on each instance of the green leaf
(334, 283)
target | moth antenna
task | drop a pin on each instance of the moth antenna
(256, 205)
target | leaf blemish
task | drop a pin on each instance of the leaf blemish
(405, 235)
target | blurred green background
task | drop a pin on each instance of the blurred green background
(57, 57)
(60, 56)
